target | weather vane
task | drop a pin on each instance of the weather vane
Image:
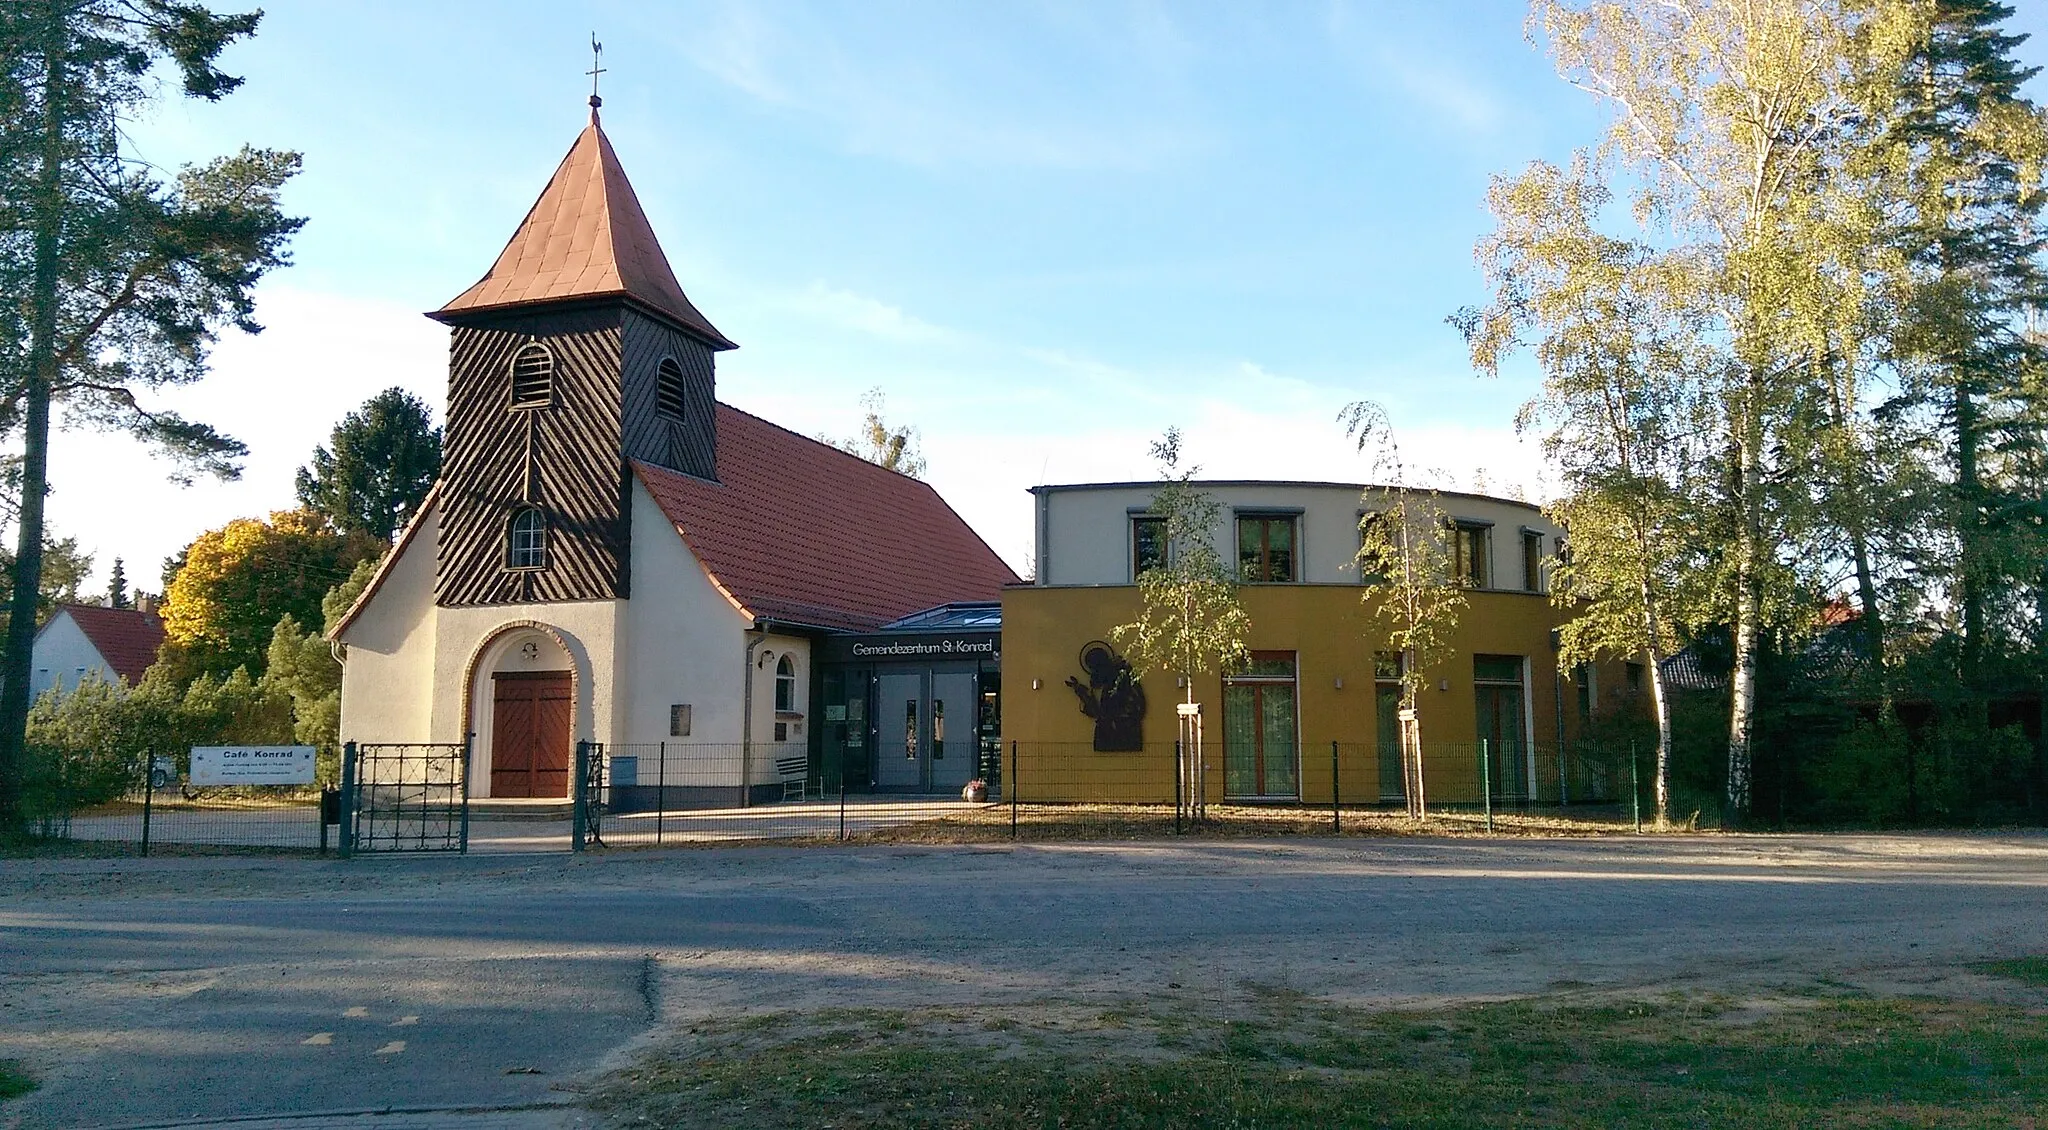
(596, 69)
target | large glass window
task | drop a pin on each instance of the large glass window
(1259, 729)
(1386, 697)
(1265, 547)
(1148, 545)
(1497, 691)
(527, 540)
(1474, 553)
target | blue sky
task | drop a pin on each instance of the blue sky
(1048, 231)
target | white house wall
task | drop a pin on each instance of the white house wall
(64, 657)
(387, 686)
(1084, 531)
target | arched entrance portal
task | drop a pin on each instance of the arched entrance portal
(522, 706)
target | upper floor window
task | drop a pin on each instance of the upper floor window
(533, 377)
(1148, 545)
(1375, 531)
(527, 540)
(785, 685)
(668, 389)
(1473, 555)
(1265, 547)
(1532, 560)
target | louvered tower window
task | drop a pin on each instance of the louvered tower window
(527, 540)
(668, 389)
(533, 377)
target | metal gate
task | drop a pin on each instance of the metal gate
(404, 796)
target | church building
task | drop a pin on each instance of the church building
(613, 555)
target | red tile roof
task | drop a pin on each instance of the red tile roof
(799, 530)
(586, 237)
(125, 638)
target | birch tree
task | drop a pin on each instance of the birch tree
(1405, 546)
(1725, 114)
(1190, 621)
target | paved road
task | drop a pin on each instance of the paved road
(151, 991)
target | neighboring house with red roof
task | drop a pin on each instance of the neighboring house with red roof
(612, 555)
(83, 641)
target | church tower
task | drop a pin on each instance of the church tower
(577, 352)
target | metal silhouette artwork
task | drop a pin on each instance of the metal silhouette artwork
(1112, 697)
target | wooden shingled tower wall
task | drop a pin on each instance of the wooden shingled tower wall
(584, 279)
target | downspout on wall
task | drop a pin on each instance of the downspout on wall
(759, 636)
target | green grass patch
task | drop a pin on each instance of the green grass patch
(1286, 1062)
(2032, 970)
(13, 1080)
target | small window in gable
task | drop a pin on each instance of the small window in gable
(668, 389)
(527, 540)
(533, 377)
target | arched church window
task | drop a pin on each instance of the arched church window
(533, 377)
(527, 543)
(668, 389)
(785, 685)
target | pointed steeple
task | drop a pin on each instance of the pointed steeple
(586, 237)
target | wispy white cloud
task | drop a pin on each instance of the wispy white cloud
(1418, 66)
(871, 316)
(952, 102)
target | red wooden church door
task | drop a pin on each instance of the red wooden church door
(530, 735)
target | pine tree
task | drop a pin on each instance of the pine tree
(381, 462)
(118, 280)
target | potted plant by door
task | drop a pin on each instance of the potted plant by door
(976, 791)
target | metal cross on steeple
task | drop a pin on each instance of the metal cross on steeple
(596, 69)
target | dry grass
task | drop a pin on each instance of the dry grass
(1086, 822)
(1279, 1058)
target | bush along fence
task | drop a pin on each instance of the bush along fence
(142, 802)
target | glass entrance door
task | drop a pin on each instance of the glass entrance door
(900, 730)
(952, 744)
(1260, 754)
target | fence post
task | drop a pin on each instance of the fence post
(348, 800)
(468, 743)
(149, 796)
(1486, 780)
(1180, 773)
(578, 818)
(1013, 788)
(842, 795)
(1336, 816)
(1635, 788)
(661, 792)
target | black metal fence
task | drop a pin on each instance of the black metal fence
(404, 797)
(1268, 782)
(687, 792)
(139, 803)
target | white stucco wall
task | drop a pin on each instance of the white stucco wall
(64, 657)
(387, 689)
(1084, 532)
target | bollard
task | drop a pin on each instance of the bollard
(1486, 781)
(1336, 819)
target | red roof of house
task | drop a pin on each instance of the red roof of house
(799, 530)
(586, 237)
(127, 639)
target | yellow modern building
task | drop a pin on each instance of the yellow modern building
(1320, 671)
